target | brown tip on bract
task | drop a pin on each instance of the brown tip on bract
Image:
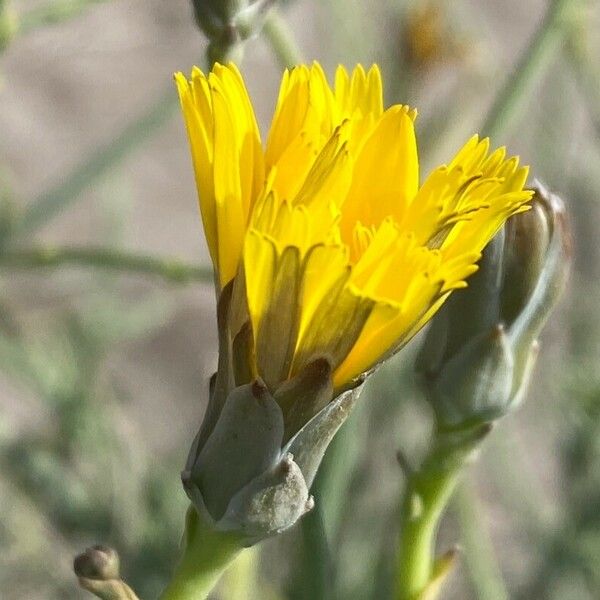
(321, 366)
(285, 466)
(259, 389)
(484, 430)
(498, 331)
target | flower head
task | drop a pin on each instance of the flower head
(332, 246)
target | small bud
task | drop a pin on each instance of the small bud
(97, 562)
(479, 352)
(98, 572)
(228, 23)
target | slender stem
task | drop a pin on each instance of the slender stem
(478, 550)
(171, 269)
(541, 48)
(206, 556)
(53, 201)
(425, 499)
(316, 576)
(587, 75)
(428, 491)
(281, 39)
(53, 12)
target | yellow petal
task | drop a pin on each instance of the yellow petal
(386, 173)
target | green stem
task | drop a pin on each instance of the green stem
(425, 499)
(316, 574)
(171, 269)
(281, 39)
(53, 13)
(427, 494)
(206, 556)
(478, 550)
(52, 202)
(587, 74)
(541, 48)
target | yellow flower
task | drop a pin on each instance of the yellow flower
(333, 246)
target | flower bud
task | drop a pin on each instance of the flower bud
(228, 23)
(481, 347)
(97, 562)
(98, 572)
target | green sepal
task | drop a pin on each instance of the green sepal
(305, 395)
(222, 381)
(245, 442)
(270, 503)
(309, 444)
(476, 383)
(552, 275)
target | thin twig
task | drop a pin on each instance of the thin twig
(537, 55)
(281, 39)
(52, 13)
(587, 76)
(171, 269)
(478, 550)
(53, 201)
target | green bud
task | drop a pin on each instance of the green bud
(481, 347)
(228, 23)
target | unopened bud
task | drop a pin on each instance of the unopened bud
(228, 23)
(98, 572)
(98, 562)
(480, 350)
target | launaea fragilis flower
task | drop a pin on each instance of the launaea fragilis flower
(335, 247)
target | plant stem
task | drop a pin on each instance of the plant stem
(53, 12)
(428, 491)
(587, 75)
(281, 39)
(53, 201)
(426, 497)
(541, 48)
(316, 576)
(171, 269)
(206, 556)
(479, 554)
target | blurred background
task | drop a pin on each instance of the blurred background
(107, 326)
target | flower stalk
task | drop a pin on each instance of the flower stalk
(428, 491)
(307, 235)
(228, 24)
(474, 368)
(206, 555)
